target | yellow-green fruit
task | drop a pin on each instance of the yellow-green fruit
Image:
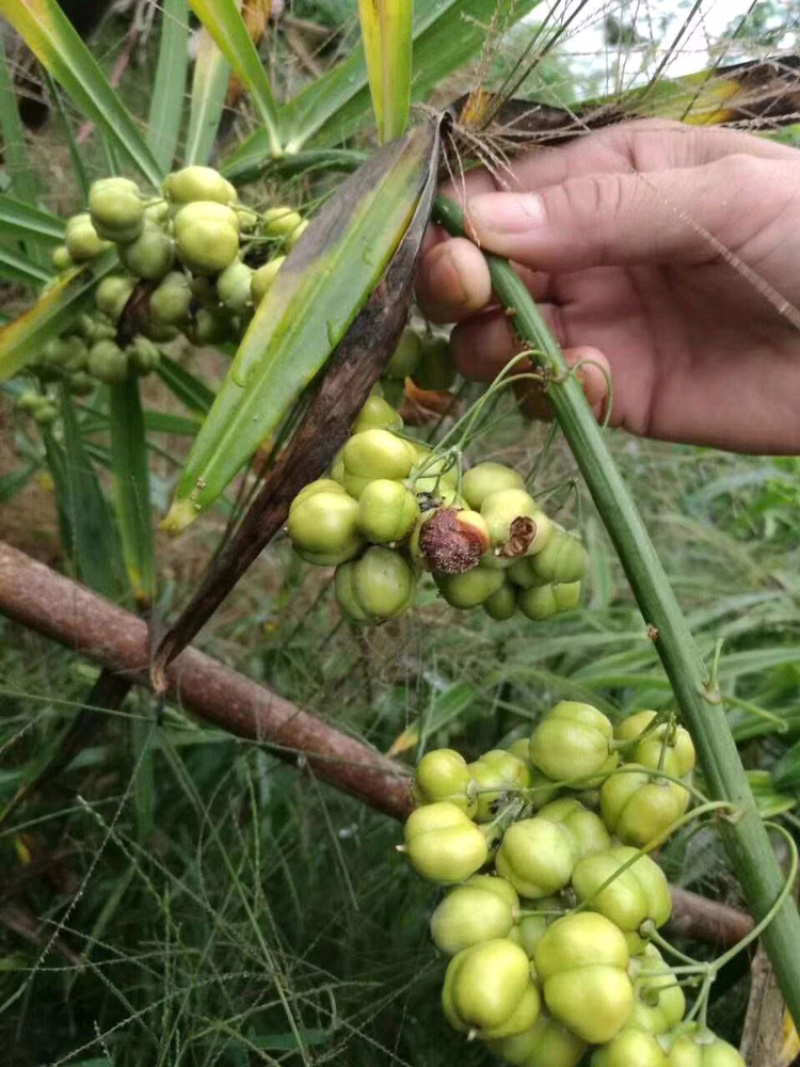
(486, 478)
(563, 558)
(68, 353)
(435, 369)
(660, 1002)
(522, 573)
(502, 507)
(171, 301)
(248, 219)
(116, 209)
(378, 454)
(502, 604)
(494, 775)
(209, 327)
(323, 528)
(80, 384)
(321, 485)
(280, 222)
(528, 932)
(383, 583)
(406, 356)
(587, 829)
(387, 511)
(630, 1048)
(546, 1044)
(234, 286)
(296, 234)
(61, 258)
(538, 604)
(157, 212)
(673, 740)
(82, 240)
(198, 183)
(443, 844)
(537, 857)
(207, 236)
(46, 413)
(112, 295)
(633, 896)
(376, 414)
(443, 774)
(572, 742)
(143, 356)
(151, 255)
(488, 990)
(471, 913)
(346, 597)
(702, 1049)
(263, 278)
(471, 588)
(582, 963)
(108, 363)
(638, 808)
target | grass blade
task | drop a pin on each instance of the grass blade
(317, 293)
(18, 268)
(132, 488)
(189, 389)
(21, 220)
(222, 20)
(24, 181)
(386, 33)
(22, 339)
(51, 37)
(81, 177)
(166, 107)
(212, 72)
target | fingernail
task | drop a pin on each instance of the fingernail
(505, 213)
(444, 275)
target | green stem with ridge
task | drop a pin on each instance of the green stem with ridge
(746, 839)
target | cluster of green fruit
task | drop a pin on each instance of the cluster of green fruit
(551, 951)
(190, 260)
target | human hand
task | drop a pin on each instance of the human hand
(667, 254)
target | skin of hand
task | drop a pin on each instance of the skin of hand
(667, 254)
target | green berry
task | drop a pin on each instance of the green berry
(171, 301)
(376, 414)
(206, 236)
(488, 990)
(116, 209)
(383, 584)
(443, 844)
(563, 558)
(572, 742)
(262, 279)
(151, 255)
(108, 363)
(112, 295)
(537, 856)
(280, 222)
(387, 511)
(485, 478)
(502, 604)
(234, 284)
(406, 356)
(471, 588)
(82, 240)
(198, 184)
(435, 369)
(323, 528)
(61, 258)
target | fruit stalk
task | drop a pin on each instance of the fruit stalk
(745, 837)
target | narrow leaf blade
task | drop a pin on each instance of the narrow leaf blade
(210, 79)
(18, 219)
(166, 107)
(188, 388)
(386, 27)
(19, 268)
(15, 155)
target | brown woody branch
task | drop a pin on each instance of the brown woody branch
(58, 608)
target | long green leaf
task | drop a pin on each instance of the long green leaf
(316, 295)
(386, 27)
(81, 177)
(446, 34)
(51, 37)
(188, 388)
(210, 79)
(166, 107)
(225, 24)
(18, 219)
(18, 268)
(132, 488)
(22, 339)
(23, 178)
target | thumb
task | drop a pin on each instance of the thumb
(620, 219)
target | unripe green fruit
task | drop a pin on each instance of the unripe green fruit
(638, 808)
(116, 209)
(470, 914)
(630, 1048)
(171, 301)
(435, 369)
(678, 749)
(546, 1044)
(537, 857)
(529, 931)
(493, 775)
(702, 1049)
(443, 844)
(502, 604)
(323, 528)
(46, 413)
(321, 485)
(29, 402)
(263, 278)
(61, 258)
(70, 353)
(383, 583)
(280, 222)
(393, 390)
(587, 829)
(296, 234)
(636, 894)
(538, 604)
(522, 574)
(378, 454)
(567, 595)
(248, 219)
(198, 183)
(486, 478)
(502, 507)
(581, 961)
(82, 240)
(387, 511)
(376, 414)
(151, 255)
(471, 588)
(345, 595)
(406, 356)
(443, 774)
(488, 990)
(234, 285)
(563, 558)
(112, 295)
(143, 356)
(660, 1002)
(157, 212)
(206, 237)
(80, 384)
(572, 742)
(108, 363)
(209, 327)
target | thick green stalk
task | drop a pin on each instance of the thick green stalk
(745, 837)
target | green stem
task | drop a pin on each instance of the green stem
(746, 838)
